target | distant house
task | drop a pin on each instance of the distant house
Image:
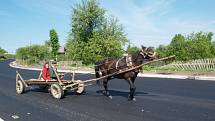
(61, 50)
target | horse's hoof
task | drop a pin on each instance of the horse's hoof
(134, 99)
(111, 97)
(103, 92)
(131, 99)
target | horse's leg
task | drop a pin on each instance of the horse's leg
(98, 75)
(106, 92)
(132, 89)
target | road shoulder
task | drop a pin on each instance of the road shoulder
(145, 74)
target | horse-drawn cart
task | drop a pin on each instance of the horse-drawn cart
(56, 87)
(59, 86)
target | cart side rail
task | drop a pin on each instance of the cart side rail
(19, 77)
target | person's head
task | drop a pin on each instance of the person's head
(54, 63)
(46, 65)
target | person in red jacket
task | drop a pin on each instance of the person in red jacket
(45, 72)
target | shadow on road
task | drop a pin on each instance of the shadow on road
(114, 93)
(124, 93)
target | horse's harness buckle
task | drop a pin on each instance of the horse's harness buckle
(129, 61)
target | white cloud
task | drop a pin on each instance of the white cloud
(150, 24)
(138, 19)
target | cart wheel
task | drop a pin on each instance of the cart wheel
(57, 91)
(80, 88)
(20, 88)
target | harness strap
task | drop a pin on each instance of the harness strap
(117, 63)
(128, 60)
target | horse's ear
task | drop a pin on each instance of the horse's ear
(143, 48)
(152, 48)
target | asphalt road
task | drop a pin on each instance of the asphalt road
(157, 100)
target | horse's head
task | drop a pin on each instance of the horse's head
(148, 53)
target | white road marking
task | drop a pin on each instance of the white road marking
(15, 117)
(1, 119)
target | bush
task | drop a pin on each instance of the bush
(33, 54)
(10, 56)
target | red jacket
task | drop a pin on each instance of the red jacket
(45, 73)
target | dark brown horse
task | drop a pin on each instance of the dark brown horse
(109, 66)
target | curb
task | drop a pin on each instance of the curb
(11, 64)
(37, 69)
(208, 78)
(162, 76)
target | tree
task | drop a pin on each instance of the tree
(132, 49)
(177, 47)
(194, 46)
(93, 36)
(22, 53)
(54, 43)
(200, 45)
(162, 50)
(2, 53)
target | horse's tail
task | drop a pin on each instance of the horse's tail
(98, 72)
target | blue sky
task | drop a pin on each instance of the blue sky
(146, 22)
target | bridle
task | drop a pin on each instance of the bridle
(150, 54)
(143, 52)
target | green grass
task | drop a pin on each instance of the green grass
(162, 68)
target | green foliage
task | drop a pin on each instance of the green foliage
(53, 42)
(132, 49)
(178, 47)
(199, 45)
(148, 68)
(2, 53)
(93, 36)
(10, 56)
(157, 68)
(62, 57)
(162, 50)
(86, 18)
(194, 46)
(32, 54)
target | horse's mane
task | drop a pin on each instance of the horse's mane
(103, 61)
(135, 55)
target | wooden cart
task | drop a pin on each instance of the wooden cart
(58, 87)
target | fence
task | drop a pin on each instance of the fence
(200, 64)
(69, 64)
